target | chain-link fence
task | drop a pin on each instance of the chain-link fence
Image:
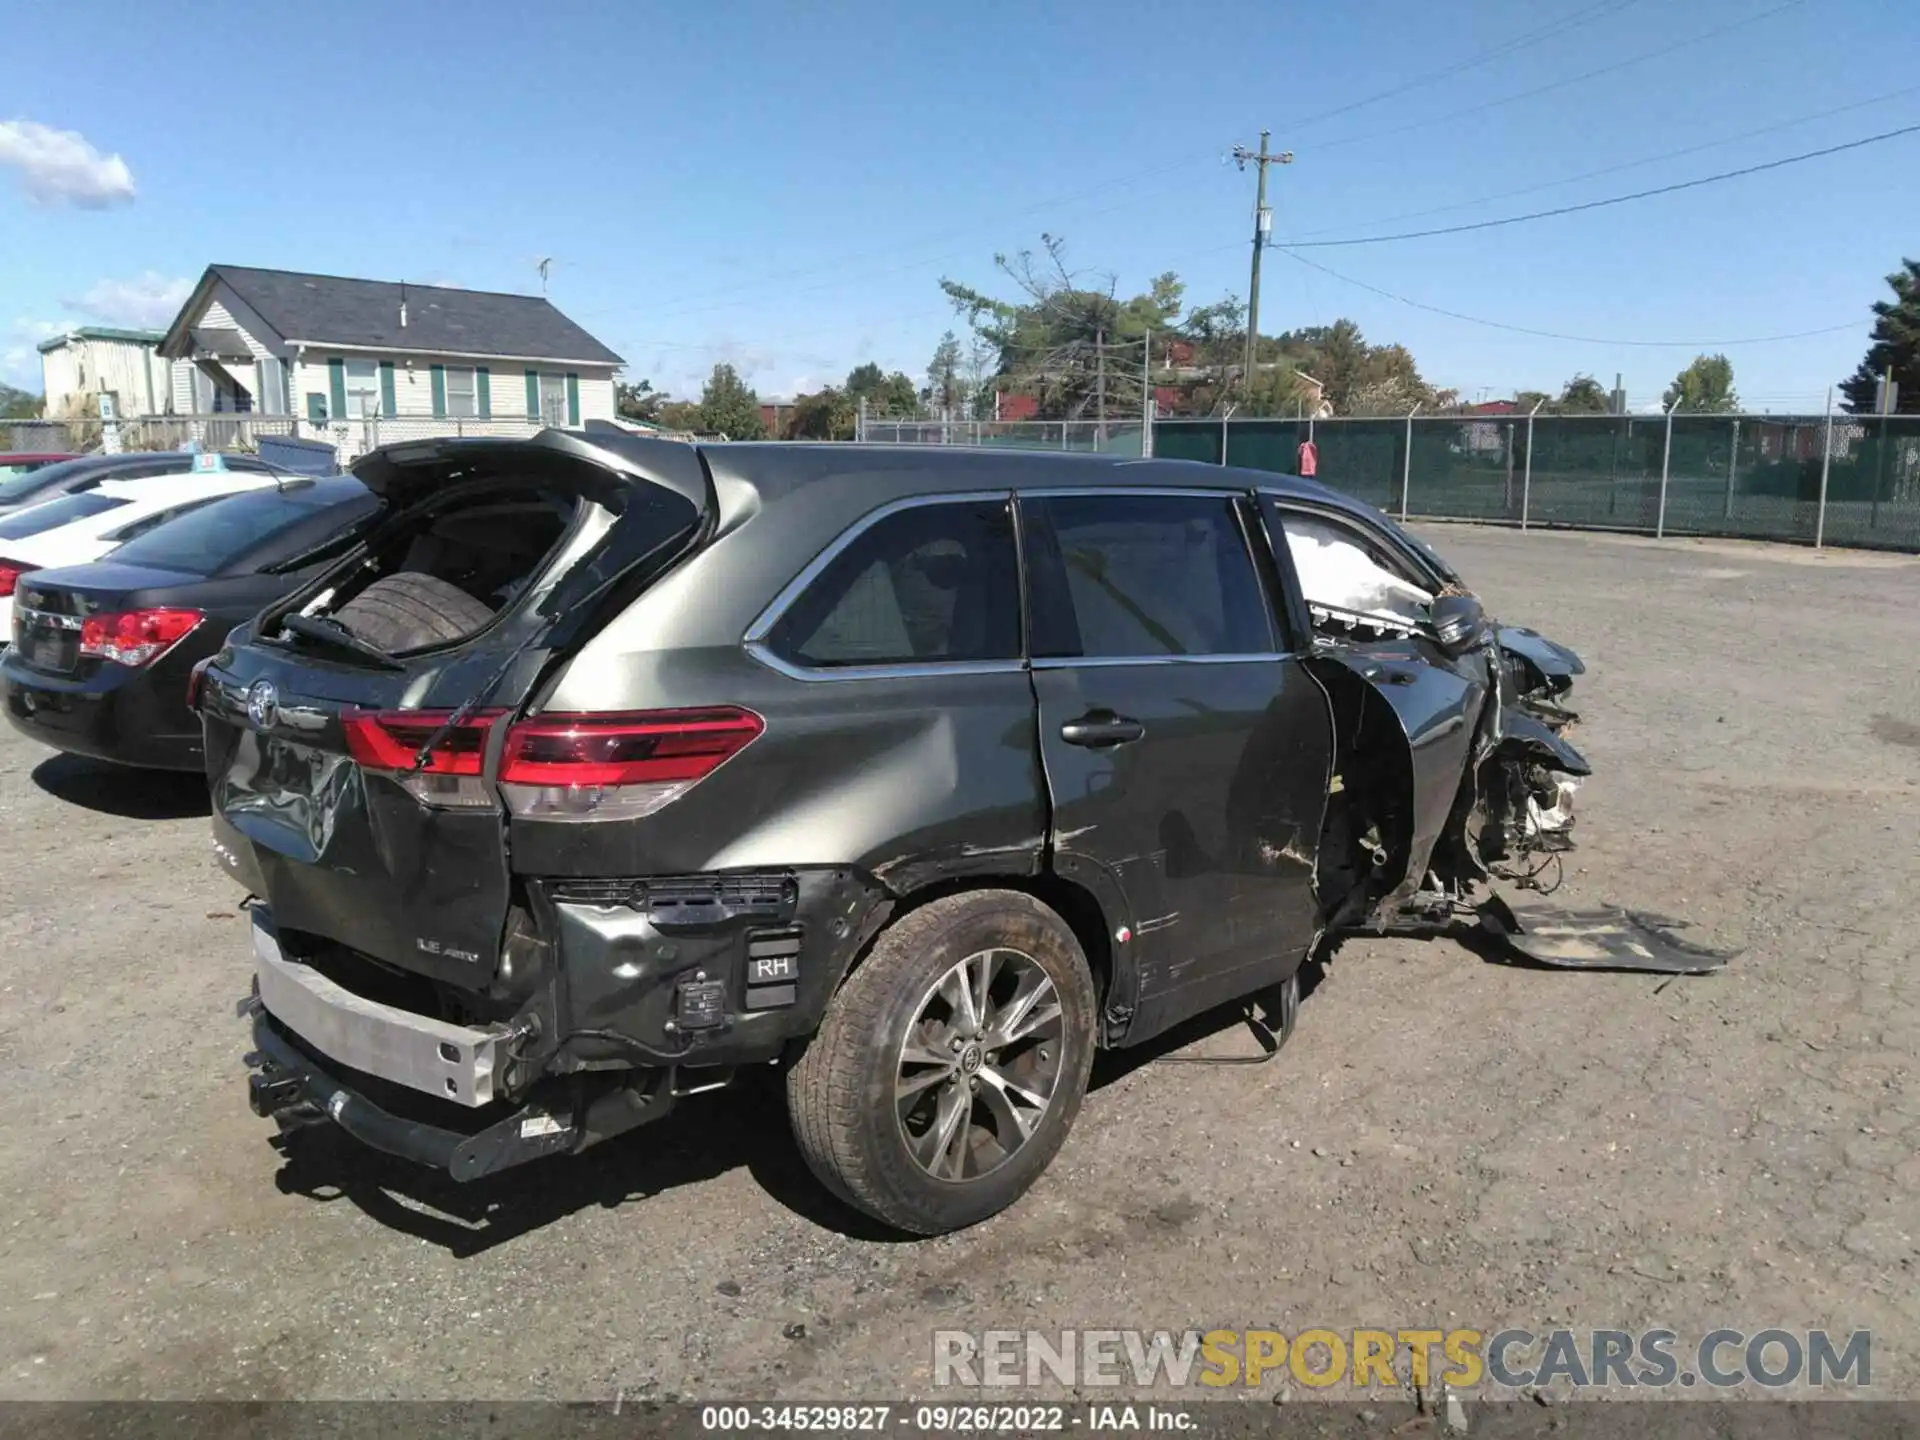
(1851, 480)
(1103, 437)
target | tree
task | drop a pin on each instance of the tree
(639, 402)
(827, 414)
(1705, 387)
(18, 404)
(729, 407)
(1066, 332)
(943, 376)
(980, 369)
(1360, 378)
(1896, 346)
(1582, 395)
(885, 394)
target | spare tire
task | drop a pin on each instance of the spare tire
(411, 610)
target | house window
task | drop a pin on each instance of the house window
(461, 396)
(363, 388)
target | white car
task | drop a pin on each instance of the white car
(88, 525)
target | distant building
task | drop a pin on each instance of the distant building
(77, 368)
(339, 356)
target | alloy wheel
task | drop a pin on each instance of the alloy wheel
(979, 1065)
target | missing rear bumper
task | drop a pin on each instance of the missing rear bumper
(289, 1085)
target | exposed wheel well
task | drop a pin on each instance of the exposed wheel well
(1367, 834)
(1072, 903)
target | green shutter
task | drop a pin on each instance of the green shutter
(387, 405)
(483, 392)
(439, 390)
(337, 374)
(533, 394)
(316, 408)
(573, 400)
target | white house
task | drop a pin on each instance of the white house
(364, 362)
(80, 366)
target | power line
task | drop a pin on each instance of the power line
(1472, 62)
(1614, 199)
(1556, 335)
(1636, 164)
(1561, 84)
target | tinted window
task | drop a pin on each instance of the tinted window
(21, 486)
(1123, 576)
(64, 511)
(154, 521)
(208, 539)
(926, 584)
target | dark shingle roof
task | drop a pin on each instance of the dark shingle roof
(326, 309)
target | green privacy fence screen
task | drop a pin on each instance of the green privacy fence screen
(1747, 476)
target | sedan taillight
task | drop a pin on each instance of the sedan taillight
(10, 573)
(135, 637)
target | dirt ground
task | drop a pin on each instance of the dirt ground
(1445, 1141)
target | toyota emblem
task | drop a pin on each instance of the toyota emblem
(262, 704)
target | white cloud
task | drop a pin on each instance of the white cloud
(19, 360)
(148, 303)
(62, 167)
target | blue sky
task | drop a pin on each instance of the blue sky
(782, 185)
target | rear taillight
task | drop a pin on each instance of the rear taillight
(10, 573)
(558, 767)
(388, 741)
(591, 767)
(135, 637)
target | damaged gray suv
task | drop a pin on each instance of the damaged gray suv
(600, 769)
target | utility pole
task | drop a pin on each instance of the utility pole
(1262, 230)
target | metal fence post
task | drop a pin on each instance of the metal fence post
(1146, 396)
(1666, 465)
(1826, 468)
(1733, 466)
(1406, 464)
(1526, 478)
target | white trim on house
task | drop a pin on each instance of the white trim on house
(474, 355)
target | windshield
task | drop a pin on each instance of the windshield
(55, 513)
(207, 540)
(23, 480)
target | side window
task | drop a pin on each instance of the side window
(928, 584)
(1342, 569)
(1143, 576)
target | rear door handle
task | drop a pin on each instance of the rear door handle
(1101, 728)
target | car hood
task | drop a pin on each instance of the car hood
(1552, 659)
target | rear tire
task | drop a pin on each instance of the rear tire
(411, 610)
(903, 1051)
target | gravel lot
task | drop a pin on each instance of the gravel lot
(1444, 1140)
